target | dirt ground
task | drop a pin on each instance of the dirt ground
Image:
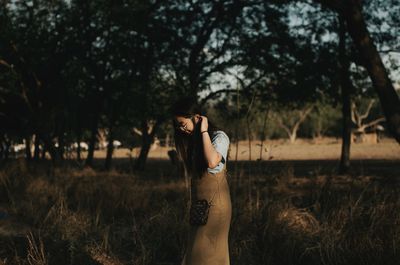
(303, 159)
(280, 150)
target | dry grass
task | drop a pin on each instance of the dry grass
(71, 216)
(36, 253)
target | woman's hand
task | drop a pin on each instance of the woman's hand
(204, 123)
(211, 155)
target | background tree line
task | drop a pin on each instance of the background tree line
(69, 69)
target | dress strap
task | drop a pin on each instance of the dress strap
(215, 192)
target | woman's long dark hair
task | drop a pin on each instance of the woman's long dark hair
(190, 147)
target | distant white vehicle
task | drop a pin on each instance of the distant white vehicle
(17, 148)
(84, 146)
(116, 144)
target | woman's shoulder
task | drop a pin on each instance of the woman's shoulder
(220, 135)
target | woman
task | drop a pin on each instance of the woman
(203, 149)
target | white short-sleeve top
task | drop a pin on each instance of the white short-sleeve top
(220, 141)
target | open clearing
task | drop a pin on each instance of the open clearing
(325, 149)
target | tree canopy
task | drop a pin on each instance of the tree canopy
(71, 68)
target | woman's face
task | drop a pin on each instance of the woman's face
(186, 125)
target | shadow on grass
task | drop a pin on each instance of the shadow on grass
(284, 212)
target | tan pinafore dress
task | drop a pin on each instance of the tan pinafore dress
(208, 244)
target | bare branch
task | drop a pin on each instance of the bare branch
(137, 131)
(305, 112)
(357, 120)
(221, 51)
(390, 51)
(250, 106)
(353, 114)
(366, 113)
(372, 123)
(303, 115)
(205, 33)
(284, 127)
(335, 5)
(215, 93)
(5, 63)
(241, 81)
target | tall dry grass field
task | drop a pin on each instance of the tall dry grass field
(80, 216)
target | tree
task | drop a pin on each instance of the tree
(202, 37)
(296, 76)
(359, 118)
(290, 118)
(352, 12)
(36, 28)
(196, 37)
(323, 121)
(347, 89)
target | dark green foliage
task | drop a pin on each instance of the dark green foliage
(71, 68)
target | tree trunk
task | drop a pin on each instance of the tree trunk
(388, 97)
(147, 140)
(293, 136)
(92, 142)
(36, 152)
(144, 152)
(167, 140)
(346, 86)
(249, 136)
(110, 148)
(237, 130)
(263, 135)
(2, 147)
(43, 153)
(61, 145)
(48, 145)
(292, 132)
(79, 149)
(28, 153)
(7, 145)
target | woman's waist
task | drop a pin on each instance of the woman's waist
(207, 189)
(218, 199)
(209, 181)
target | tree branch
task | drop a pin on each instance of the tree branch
(5, 63)
(137, 131)
(304, 113)
(370, 104)
(390, 51)
(335, 5)
(204, 35)
(372, 123)
(249, 85)
(215, 93)
(284, 127)
(354, 113)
